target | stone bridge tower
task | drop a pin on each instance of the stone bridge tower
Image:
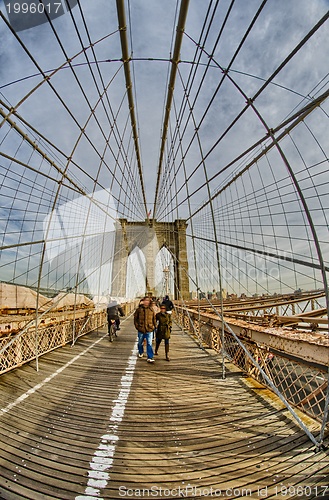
(150, 236)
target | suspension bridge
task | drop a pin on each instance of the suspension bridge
(153, 148)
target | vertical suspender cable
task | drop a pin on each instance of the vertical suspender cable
(171, 87)
(126, 64)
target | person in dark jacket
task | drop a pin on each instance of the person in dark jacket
(169, 305)
(113, 311)
(145, 323)
(163, 330)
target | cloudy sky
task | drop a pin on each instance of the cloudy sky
(246, 67)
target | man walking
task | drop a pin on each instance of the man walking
(145, 323)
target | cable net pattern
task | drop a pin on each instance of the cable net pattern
(209, 113)
(29, 344)
(303, 384)
(244, 159)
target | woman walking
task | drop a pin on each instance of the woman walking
(163, 330)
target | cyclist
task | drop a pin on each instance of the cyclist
(113, 311)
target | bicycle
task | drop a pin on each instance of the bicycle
(112, 330)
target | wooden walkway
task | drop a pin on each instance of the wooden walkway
(98, 422)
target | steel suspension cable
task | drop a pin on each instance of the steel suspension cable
(126, 64)
(171, 86)
(252, 99)
(248, 31)
(47, 79)
(196, 62)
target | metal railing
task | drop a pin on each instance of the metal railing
(52, 332)
(302, 383)
(22, 348)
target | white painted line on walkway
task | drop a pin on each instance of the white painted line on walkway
(46, 380)
(102, 460)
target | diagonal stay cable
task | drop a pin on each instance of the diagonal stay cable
(46, 78)
(299, 117)
(80, 84)
(195, 64)
(126, 65)
(250, 101)
(171, 87)
(114, 127)
(293, 120)
(61, 170)
(193, 72)
(210, 59)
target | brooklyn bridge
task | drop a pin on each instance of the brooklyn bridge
(149, 149)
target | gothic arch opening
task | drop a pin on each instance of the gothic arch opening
(164, 273)
(136, 273)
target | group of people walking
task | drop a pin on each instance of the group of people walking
(149, 320)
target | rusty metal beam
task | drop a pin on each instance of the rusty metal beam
(261, 302)
(314, 317)
(312, 351)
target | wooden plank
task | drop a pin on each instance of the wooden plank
(182, 425)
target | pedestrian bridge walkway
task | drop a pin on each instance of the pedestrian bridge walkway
(98, 422)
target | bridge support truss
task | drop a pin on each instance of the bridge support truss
(292, 363)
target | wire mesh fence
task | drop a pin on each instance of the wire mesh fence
(302, 383)
(33, 342)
